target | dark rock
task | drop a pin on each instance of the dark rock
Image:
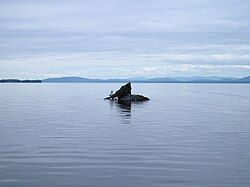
(122, 92)
(124, 95)
(133, 97)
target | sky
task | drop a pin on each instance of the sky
(124, 38)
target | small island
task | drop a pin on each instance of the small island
(124, 95)
(19, 81)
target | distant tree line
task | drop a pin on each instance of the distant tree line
(19, 81)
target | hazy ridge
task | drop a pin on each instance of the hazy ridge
(212, 79)
(74, 79)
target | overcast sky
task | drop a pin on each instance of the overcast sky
(124, 38)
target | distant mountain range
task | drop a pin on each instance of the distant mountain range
(212, 79)
(72, 79)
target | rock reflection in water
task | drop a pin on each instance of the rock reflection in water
(123, 110)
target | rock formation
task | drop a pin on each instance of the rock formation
(124, 95)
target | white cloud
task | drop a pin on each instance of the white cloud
(116, 65)
(122, 38)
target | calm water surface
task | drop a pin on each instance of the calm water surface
(67, 135)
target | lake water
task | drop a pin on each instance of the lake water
(67, 135)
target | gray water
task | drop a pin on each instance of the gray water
(67, 135)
